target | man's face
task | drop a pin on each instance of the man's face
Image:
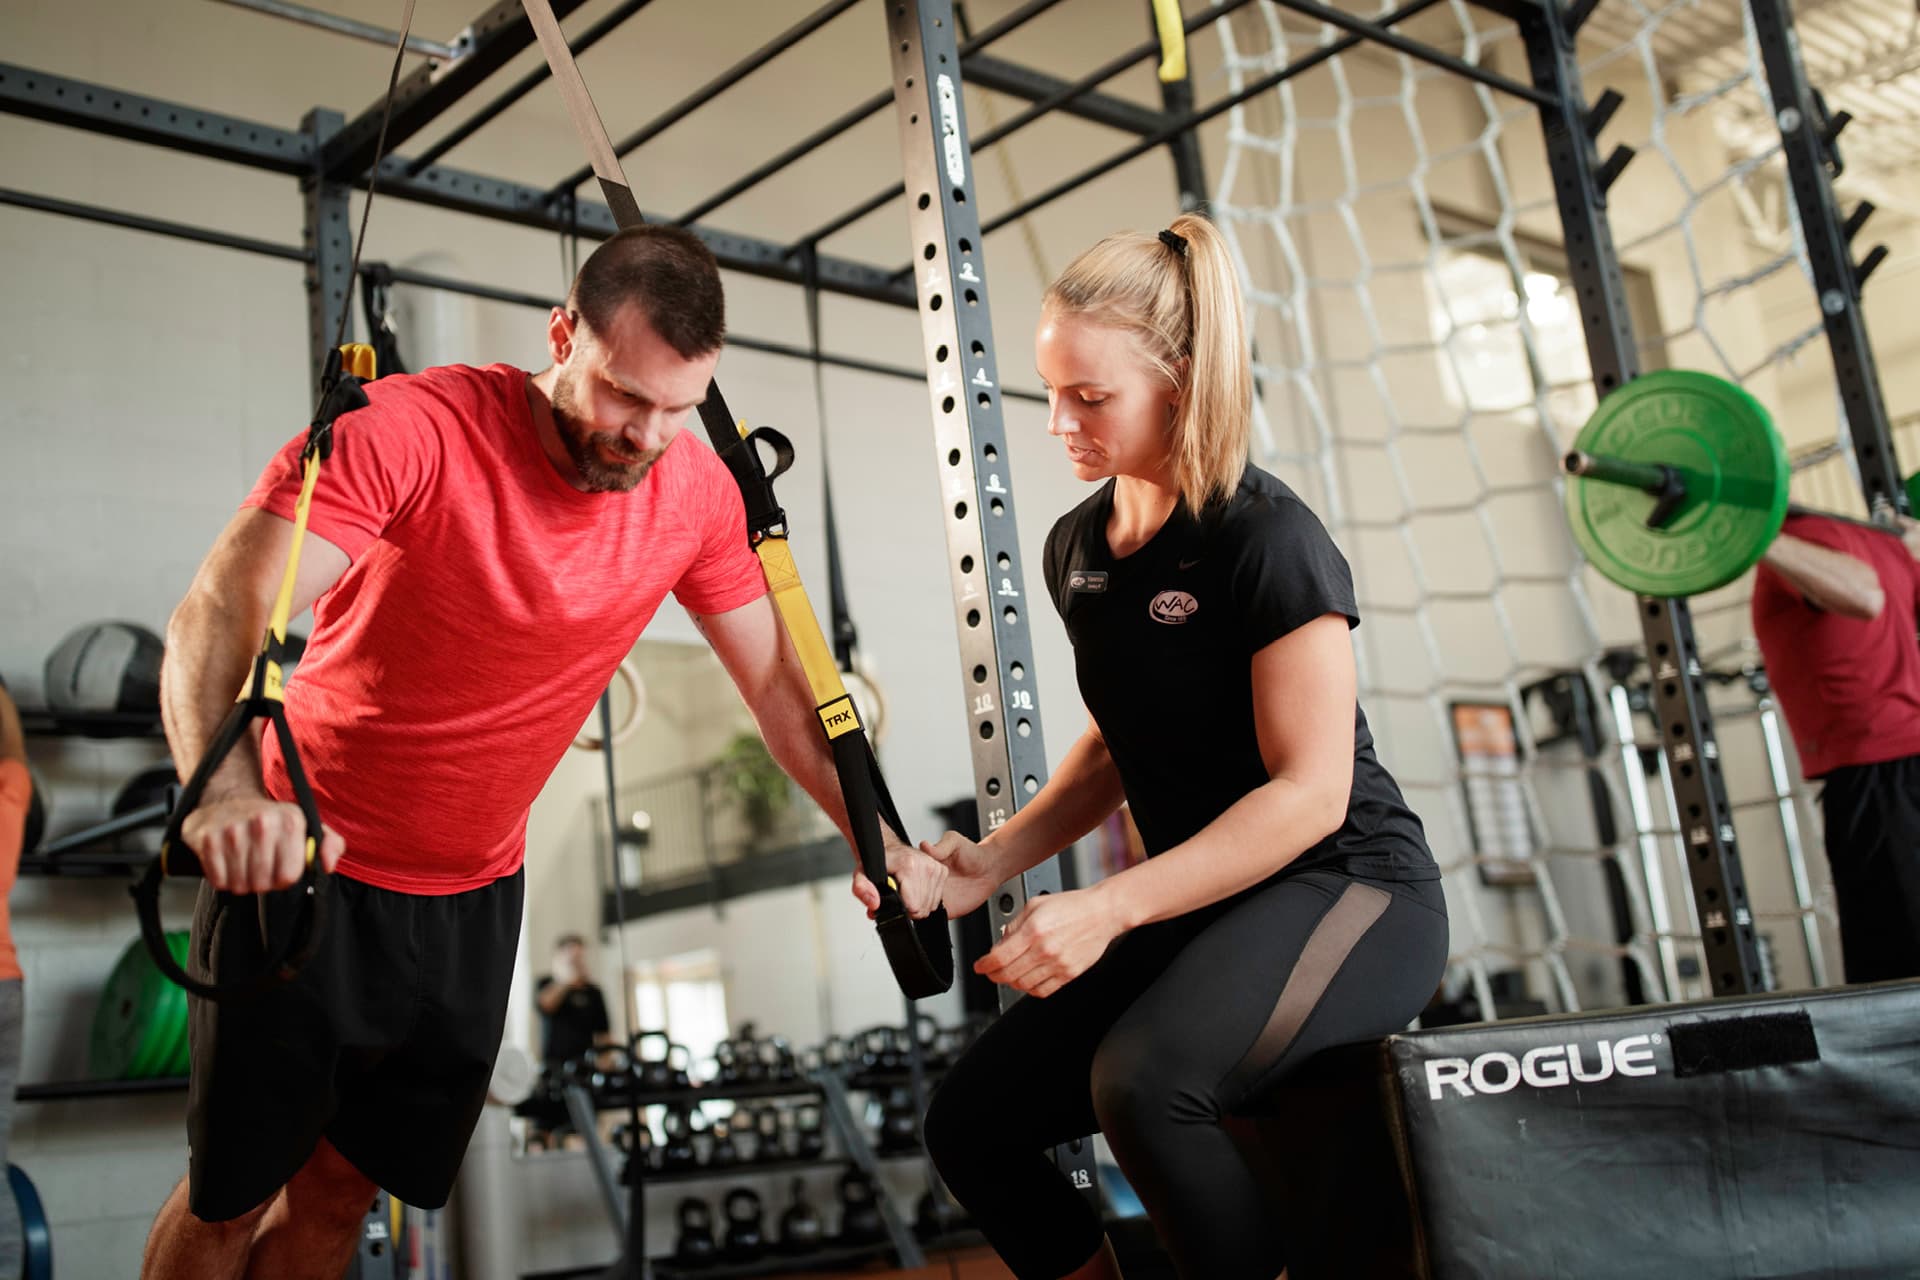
(620, 397)
(570, 963)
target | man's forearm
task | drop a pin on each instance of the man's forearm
(1832, 580)
(209, 652)
(798, 746)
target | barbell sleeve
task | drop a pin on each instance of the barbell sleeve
(1647, 476)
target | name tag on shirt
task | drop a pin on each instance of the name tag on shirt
(1082, 580)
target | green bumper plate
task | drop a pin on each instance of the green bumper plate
(1736, 470)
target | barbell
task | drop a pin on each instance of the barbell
(1678, 484)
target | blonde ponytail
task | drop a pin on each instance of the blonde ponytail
(1178, 293)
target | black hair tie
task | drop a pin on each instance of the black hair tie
(1174, 241)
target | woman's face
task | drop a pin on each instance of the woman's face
(1107, 402)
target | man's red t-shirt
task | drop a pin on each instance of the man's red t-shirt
(1850, 688)
(487, 605)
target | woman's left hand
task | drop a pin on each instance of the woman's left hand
(1053, 940)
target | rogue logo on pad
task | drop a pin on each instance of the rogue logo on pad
(1082, 580)
(1173, 607)
(1547, 1067)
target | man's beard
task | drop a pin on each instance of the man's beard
(584, 447)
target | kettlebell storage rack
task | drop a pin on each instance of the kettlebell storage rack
(88, 853)
(838, 1118)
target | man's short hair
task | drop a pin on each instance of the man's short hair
(665, 271)
(566, 940)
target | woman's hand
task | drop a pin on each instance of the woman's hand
(971, 875)
(1055, 938)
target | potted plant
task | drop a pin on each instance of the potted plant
(746, 772)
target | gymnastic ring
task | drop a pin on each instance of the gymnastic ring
(636, 709)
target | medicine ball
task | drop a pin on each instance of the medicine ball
(105, 666)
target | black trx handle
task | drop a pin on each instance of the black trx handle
(263, 698)
(919, 951)
(296, 946)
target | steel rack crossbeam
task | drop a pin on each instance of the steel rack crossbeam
(42, 95)
(854, 115)
(497, 198)
(345, 26)
(493, 39)
(157, 226)
(1379, 34)
(524, 85)
(1193, 121)
(427, 280)
(1017, 81)
(1053, 101)
(713, 88)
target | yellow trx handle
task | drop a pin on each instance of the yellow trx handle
(1173, 40)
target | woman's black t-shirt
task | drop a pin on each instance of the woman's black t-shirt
(1163, 642)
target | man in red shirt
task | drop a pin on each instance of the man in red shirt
(486, 545)
(1834, 610)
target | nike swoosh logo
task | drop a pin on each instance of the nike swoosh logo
(1188, 564)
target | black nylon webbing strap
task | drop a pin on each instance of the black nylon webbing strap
(919, 951)
(262, 699)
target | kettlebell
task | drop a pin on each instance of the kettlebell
(677, 1124)
(637, 1144)
(874, 1046)
(812, 1139)
(833, 1053)
(725, 1151)
(899, 1127)
(651, 1074)
(784, 1067)
(679, 1059)
(928, 1032)
(695, 1247)
(726, 1057)
(611, 1076)
(746, 1238)
(801, 1229)
(767, 1136)
(936, 1216)
(753, 1063)
(860, 1221)
(578, 1071)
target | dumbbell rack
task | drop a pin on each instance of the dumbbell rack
(838, 1119)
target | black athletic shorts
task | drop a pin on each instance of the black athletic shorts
(383, 1044)
(1872, 819)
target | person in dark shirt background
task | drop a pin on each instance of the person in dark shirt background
(573, 1020)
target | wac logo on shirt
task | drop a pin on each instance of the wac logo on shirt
(1173, 607)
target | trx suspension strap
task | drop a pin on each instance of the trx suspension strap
(920, 951)
(263, 697)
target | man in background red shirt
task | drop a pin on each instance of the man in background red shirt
(1834, 610)
(486, 545)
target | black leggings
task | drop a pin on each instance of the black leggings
(1170, 1032)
